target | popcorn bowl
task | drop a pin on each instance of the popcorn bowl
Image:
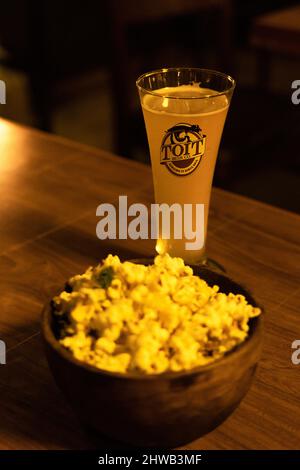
(162, 410)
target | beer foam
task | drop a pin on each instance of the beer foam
(185, 100)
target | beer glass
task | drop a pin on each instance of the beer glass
(184, 111)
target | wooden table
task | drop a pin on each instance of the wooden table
(50, 189)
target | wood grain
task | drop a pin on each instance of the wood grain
(49, 190)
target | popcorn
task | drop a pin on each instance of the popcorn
(125, 317)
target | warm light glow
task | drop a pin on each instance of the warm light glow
(161, 246)
(5, 135)
(3, 129)
(13, 153)
(165, 103)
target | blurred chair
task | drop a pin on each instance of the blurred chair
(127, 13)
(275, 33)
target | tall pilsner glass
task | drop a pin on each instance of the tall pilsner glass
(184, 111)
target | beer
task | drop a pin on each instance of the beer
(184, 126)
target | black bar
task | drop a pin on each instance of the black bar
(136, 458)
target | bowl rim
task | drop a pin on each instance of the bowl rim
(254, 332)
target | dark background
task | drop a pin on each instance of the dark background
(70, 68)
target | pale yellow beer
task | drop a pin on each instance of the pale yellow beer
(184, 126)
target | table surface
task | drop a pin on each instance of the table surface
(50, 188)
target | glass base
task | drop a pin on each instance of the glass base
(213, 264)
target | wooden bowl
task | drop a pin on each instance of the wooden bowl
(165, 410)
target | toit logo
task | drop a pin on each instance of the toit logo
(182, 148)
(2, 92)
